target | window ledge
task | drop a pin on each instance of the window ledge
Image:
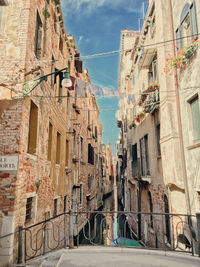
(193, 146)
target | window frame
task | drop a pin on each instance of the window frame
(28, 215)
(192, 123)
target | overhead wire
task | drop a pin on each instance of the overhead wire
(96, 55)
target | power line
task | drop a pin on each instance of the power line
(97, 55)
(111, 96)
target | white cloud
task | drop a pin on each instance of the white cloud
(88, 6)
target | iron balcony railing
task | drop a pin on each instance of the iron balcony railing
(152, 101)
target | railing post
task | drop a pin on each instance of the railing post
(19, 260)
(71, 233)
(64, 230)
(44, 240)
(198, 230)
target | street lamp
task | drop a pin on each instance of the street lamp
(66, 82)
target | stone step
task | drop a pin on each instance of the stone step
(49, 260)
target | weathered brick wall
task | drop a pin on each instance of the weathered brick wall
(14, 129)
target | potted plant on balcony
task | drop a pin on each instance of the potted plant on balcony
(182, 58)
(139, 116)
(132, 125)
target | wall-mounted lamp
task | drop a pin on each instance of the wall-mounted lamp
(66, 82)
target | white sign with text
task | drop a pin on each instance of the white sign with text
(8, 163)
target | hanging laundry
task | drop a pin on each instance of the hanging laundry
(95, 90)
(121, 96)
(108, 92)
(80, 88)
(132, 99)
(73, 79)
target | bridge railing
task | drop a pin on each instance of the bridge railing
(180, 232)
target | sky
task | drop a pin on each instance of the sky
(96, 26)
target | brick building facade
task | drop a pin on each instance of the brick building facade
(52, 133)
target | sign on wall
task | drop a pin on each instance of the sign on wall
(8, 163)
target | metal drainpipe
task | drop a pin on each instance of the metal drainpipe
(187, 197)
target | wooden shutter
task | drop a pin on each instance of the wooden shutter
(193, 20)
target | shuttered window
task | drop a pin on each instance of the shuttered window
(195, 111)
(193, 20)
(188, 26)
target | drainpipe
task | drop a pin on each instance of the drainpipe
(187, 197)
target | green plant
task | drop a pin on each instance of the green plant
(181, 59)
(46, 13)
(56, 2)
(139, 116)
(145, 94)
(37, 184)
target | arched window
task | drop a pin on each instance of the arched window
(188, 26)
(167, 219)
(150, 208)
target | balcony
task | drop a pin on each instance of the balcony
(153, 100)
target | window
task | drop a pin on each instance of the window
(153, 73)
(74, 143)
(29, 203)
(158, 140)
(96, 133)
(125, 125)
(58, 145)
(135, 166)
(33, 125)
(55, 23)
(81, 193)
(130, 200)
(133, 79)
(66, 153)
(81, 151)
(89, 181)
(50, 141)
(188, 26)
(65, 204)
(55, 207)
(144, 156)
(60, 87)
(90, 154)
(61, 45)
(195, 112)
(38, 36)
(68, 103)
(150, 208)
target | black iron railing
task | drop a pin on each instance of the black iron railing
(111, 228)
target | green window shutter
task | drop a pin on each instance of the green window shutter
(194, 104)
(193, 20)
(178, 41)
(133, 79)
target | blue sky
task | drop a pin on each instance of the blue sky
(95, 26)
